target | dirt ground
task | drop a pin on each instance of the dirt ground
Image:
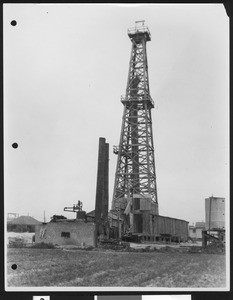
(77, 268)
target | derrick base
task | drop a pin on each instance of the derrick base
(139, 218)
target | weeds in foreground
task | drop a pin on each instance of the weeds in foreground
(43, 246)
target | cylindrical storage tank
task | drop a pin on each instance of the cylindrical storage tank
(214, 213)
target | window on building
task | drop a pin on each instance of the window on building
(65, 234)
(194, 230)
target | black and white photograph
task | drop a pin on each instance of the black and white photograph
(116, 147)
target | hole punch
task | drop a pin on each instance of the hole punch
(13, 23)
(15, 145)
(14, 267)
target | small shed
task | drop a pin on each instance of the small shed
(195, 232)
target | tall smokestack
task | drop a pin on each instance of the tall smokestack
(106, 180)
(101, 202)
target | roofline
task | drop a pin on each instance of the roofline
(173, 218)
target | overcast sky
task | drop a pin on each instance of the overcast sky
(65, 68)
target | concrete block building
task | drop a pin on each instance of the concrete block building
(67, 232)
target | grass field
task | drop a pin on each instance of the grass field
(56, 267)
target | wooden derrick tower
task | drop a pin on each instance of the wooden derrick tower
(135, 178)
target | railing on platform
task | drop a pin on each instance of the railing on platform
(125, 99)
(141, 29)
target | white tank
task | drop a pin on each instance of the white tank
(214, 213)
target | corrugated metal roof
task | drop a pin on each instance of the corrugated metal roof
(24, 220)
(173, 218)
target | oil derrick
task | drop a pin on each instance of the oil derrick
(135, 179)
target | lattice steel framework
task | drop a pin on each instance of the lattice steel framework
(135, 171)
